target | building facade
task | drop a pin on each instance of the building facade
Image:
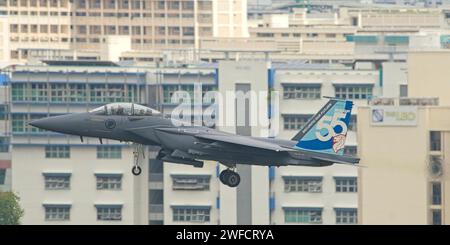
(61, 167)
(46, 28)
(412, 163)
(61, 179)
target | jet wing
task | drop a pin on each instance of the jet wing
(242, 141)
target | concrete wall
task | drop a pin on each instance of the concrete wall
(428, 75)
(394, 183)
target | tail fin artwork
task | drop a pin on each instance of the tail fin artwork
(326, 131)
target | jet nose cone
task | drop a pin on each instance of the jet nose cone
(43, 123)
(68, 124)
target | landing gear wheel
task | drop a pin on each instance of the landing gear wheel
(136, 170)
(229, 178)
(233, 179)
(224, 176)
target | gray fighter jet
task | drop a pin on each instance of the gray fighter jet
(319, 143)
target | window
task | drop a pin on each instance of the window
(95, 29)
(2, 176)
(435, 141)
(346, 216)
(81, 4)
(436, 217)
(436, 193)
(14, 28)
(264, 34)
(301, 91)
(303, 184)
(43, 28)
(346, 184)
(124, 30)
(110, 4)
(39, 92)
(57, 151)
(136, 4)
(295, 122)
(19, 122)
(18, 91)
(54, 29)
(160, 5)
(188, 5)
(191, 214)
(95, 4)
(124, 4)
(111, 213)
(168, 92)
(110, 30)
(303, 215)
(57, 213)
(57, 92)
(173, 5)
(98, 92)
(57, 181)
(188, 31)
(4, 144)
(403, 90)
(109, 152)
(352, 123)
(136, 30)
(81, 29)
(353, 91)
(115, 93)
(76, 92)
(109, 182)
(194, 182)
(3, 111)
(174, 30)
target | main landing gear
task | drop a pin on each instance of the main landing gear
(138, 149)
(230, 178)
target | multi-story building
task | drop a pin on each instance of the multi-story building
(89, 181)
(318, 195)
(5, 155)
(4, 41)
(402, 142)
(51, 26)
(59, 178)
(404, 179)
(51, 170)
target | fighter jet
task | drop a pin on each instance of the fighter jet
(319, 143)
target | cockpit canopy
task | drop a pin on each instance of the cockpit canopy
(125, 109)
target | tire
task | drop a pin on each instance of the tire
(136, 170)
(224, 176)
(233, 179)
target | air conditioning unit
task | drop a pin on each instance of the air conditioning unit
(436, 168)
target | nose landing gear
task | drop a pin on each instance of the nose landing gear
(230, 178)
(138, 149)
